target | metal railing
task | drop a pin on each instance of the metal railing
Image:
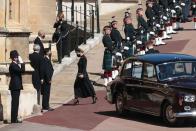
(86, 15)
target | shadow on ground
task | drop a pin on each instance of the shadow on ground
(148, 119)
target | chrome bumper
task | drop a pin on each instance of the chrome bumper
(185, 114)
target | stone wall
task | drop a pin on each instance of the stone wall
(42, 15)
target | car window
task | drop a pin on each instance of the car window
(137, 70)
(127, 69)
(149, 72)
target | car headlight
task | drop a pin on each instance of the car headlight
(189, 98)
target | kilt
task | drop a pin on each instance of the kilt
(107, 74)
(144, 38)
(107, 60)
(194, 19)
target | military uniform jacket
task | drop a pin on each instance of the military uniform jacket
(16, 76)
(156, 9)
(116, 36)
(39, 42)
(150, 16)
(142, 24)
(47, 70)
(107, 42)
(164, 3)
(194, 7)
(129, 31)
(36, 62)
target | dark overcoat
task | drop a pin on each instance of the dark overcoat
(83, 87)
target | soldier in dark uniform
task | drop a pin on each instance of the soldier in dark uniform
(36, 61)
(46, 78)
(15, 84)
(142, 28)
(194, 12)
(129, 29)
(107, 58)
(186, 5)
(150, 14)
(115, 35)
(61, 45)
(38, 41)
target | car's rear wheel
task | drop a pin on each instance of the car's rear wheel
(120, 104)
(169, 115)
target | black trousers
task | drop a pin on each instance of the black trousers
(15, 94)
(46, 95)
(59, 51)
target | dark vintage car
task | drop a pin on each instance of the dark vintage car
(156, 84)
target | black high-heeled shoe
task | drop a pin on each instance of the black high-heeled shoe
(76, 102)
(94, 100)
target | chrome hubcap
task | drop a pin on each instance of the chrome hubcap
(170, 114)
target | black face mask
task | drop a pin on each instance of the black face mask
(78, 55)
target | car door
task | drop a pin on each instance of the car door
(132, 77)
(151, 95)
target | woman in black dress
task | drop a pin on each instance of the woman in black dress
(82, 86)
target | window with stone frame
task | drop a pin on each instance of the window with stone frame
(14, 10)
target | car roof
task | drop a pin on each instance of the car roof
(163, 57)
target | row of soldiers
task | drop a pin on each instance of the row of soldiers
(163, 19)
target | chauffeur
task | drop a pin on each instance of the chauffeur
(16, 69)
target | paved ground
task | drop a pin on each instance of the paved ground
(100, 116)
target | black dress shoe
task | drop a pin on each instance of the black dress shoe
(47, 109)
(17, 121)
(50, 109)
(76, 102)
(94, 100)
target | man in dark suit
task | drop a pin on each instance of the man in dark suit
(15, 84)
(36, 61)
(41, 35)
(46, 78)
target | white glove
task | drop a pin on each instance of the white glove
(182, 4)
(126, 48)
(167, 9)
(152, 33)
(174, 1)
(158, 25)
(20, 59)
(128, 38)
(139, 42)
(194, 6)
(173, 11)
(177, 7)
(118, 54)
(164, 17)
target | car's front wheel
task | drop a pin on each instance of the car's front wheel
(169, 115)
(120, 104)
